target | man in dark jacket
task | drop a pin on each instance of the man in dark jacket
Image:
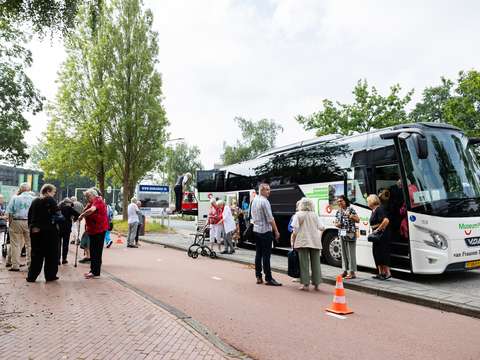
(179, 188)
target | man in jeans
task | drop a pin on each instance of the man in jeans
(263, 224)
(18, 218)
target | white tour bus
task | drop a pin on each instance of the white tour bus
(426, 171)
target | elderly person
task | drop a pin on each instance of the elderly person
(44, 235)
(306, 238)
(3, 229)
(179, 188)
(214, 220)
(229, 226)
(345, 220)
(265, 231)
(379, 223)
(141, 222)
(96, 224)
(70, 215)
(133, 221)
(18, 219)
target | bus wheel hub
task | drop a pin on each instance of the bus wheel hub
(336, 249)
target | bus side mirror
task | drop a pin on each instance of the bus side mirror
(473, 141)
(421, 146)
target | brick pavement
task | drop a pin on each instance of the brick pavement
(89, 319)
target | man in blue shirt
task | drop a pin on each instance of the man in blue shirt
(17, 211)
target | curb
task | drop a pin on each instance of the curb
(191, 323)
(427, 302)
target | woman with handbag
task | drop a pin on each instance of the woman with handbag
(307, 240)
(380, 237)
(345, 220)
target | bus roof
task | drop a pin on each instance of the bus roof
(330, 137)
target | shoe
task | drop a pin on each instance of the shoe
(91, 276)
(304, 288)
(64, 262)
(232, 252)
(387, 277)
(109, 243)
(8, 265)
(13, 269)
(84, 260)
(351, 276)
(52, 279)
(22, 265)
(379, 277)
(132, 246)
(30, 280)
(224, 252)
(259, 280)
(344, 274)
(273, 282)
(72, 242)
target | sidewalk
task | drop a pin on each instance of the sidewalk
(395, 288)
(76, 318)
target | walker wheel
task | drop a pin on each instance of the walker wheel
(204, 252)
(194, 255)
(213, 255)
(189, 253)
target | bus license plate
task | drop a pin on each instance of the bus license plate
(472, 264)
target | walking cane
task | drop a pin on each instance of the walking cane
(78, 243)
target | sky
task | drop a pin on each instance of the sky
(276, 59)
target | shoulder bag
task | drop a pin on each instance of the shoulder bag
(293, 264)
(375, 237)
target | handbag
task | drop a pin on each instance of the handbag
(248, 233)
(293, 264)
(375, 237)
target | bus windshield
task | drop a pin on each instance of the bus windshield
(447, 182)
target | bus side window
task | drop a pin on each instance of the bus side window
(357, 187)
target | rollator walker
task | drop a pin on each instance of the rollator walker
(199, 246)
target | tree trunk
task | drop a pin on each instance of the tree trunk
(101, 178)
(126, 197)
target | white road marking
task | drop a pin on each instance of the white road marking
(335, 315)
(216, 278)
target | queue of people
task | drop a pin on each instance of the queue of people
(44, 228)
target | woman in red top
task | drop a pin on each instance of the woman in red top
(96, 220)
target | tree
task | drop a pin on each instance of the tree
(370, 110)
(433, 104)
(136, 119)
(463, 109)
(76, 139)
(258, 136)
(18, 95)
(55, 15)
(180, 159)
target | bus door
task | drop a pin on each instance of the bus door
(387, 183)
(210, 184)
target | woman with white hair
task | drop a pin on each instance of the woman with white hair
(95, 215)
(307, 240)
(229, 226)
(379, 223)
(214, 219)
(133, 221)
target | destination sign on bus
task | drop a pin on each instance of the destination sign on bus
(154, 188)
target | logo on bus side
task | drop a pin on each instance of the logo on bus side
(473, 241)
(468, 232)
(413, 218)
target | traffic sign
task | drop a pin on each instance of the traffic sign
(154, 188)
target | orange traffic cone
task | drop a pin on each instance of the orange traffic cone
(119, 239)
(339, 305)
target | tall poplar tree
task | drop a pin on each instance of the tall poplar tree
(136, 119)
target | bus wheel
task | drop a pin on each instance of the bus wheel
(332, 249)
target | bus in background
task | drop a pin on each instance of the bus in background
(427, 174)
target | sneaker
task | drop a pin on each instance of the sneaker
(64, 262)
(109, 244)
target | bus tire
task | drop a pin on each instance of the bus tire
(332, 250)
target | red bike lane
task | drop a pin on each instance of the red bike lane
(285, 323)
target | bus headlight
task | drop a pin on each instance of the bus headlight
(438, 241)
